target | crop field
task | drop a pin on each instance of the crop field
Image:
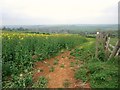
(59, 44)
(21, 50)
(54, 61)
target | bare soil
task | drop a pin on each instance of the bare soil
(63, 74)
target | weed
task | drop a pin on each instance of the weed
(56, 62)
(62, 66)
(40, 70)
(63, 56)
(66, 83)
(52, 69)
(72, 64)
(48, 64)
(41, 83)
(81, 74)
(77, 62)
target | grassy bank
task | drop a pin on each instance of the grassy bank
(100, 72)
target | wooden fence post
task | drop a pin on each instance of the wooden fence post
(115, 50)
(104, 40)
(107, 47)
(118, 52)
(97, 41)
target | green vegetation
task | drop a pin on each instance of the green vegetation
(56, 62)
(40, 70)
(21, 81)
(113, 41)
(66, 83)
(52, 69)
(72, 64)
(74, 28)
(62, 66)
(77, 62)
(21, 50)
(100, 72)
(41, 83)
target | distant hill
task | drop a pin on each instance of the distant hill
(74, 28)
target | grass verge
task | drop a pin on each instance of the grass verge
(100, 72)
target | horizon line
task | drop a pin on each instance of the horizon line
(55, 24)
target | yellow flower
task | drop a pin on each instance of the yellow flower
(21, 75)
(21, 38)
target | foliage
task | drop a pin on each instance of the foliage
(62, 66)
(104, 74)
(81, 74)
(52, 69)
(100, 72)
(41, 83)
(21, 50)
(66, 83)
(20, 81)
(113, 41)
(56, 62)
(72, 64)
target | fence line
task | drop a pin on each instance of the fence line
(116, 50)
(110, 50)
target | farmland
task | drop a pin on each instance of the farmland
(35, 60)
(21, 50)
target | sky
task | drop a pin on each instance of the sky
(40, 12)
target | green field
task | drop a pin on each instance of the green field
(21, 50)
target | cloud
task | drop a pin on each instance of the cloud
(59, 11)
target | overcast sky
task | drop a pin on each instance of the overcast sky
(35, 12)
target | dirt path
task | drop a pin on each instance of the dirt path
(60, 71)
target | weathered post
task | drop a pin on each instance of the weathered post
(97, 38)
(102, 37)
(115, 50)
(118, 52)
(105, 41)
(107, 47)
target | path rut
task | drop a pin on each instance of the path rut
(63, 74)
